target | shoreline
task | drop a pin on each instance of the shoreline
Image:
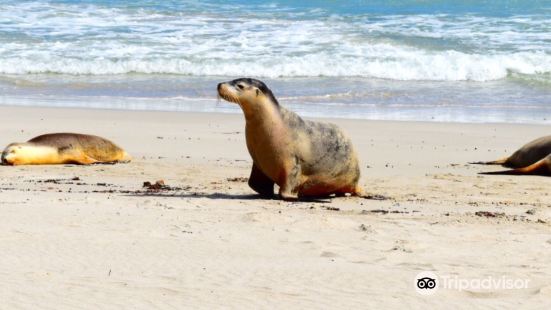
(502, 101)
(233, 112)
(105, 241)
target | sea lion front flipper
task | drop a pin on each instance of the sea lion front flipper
(542, 167)
(77, 157)
(85, 160)
(261, 183)
(290, 187)
(495, 162)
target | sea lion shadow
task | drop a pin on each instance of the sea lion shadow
(198, 195)
(224, 196)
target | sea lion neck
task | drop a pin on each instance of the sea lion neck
(261, 110)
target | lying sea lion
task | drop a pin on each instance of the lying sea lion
(532, 158)
(303, 158)
(64, 148)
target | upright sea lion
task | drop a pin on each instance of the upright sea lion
(64, 148)
(532, 158)
(303, 158)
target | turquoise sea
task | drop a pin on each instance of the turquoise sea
(463, 61)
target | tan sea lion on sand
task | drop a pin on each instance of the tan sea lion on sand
(532, 158)
(304, 158)
(64, 148)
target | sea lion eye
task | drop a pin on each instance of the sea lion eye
(240, 86)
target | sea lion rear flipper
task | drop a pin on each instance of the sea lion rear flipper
(495, 162)
(542, 167)
(261, 183)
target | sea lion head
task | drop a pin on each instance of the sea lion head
(25, 153)
(250, 94)
(11, 152)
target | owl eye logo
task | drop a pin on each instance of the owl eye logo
(426, 283)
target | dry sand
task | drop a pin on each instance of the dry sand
(103, 242)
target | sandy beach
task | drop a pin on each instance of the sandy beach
(92, 237)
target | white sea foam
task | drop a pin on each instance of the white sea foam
(40, 37)
(383, 62)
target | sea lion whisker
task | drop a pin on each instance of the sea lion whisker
(238, 101)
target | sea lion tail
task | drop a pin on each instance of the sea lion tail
(542, 167)
(495, 162)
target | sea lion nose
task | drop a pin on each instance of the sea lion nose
(220, 86)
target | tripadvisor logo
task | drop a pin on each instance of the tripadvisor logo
(427, 283)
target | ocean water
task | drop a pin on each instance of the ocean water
(472, 61)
